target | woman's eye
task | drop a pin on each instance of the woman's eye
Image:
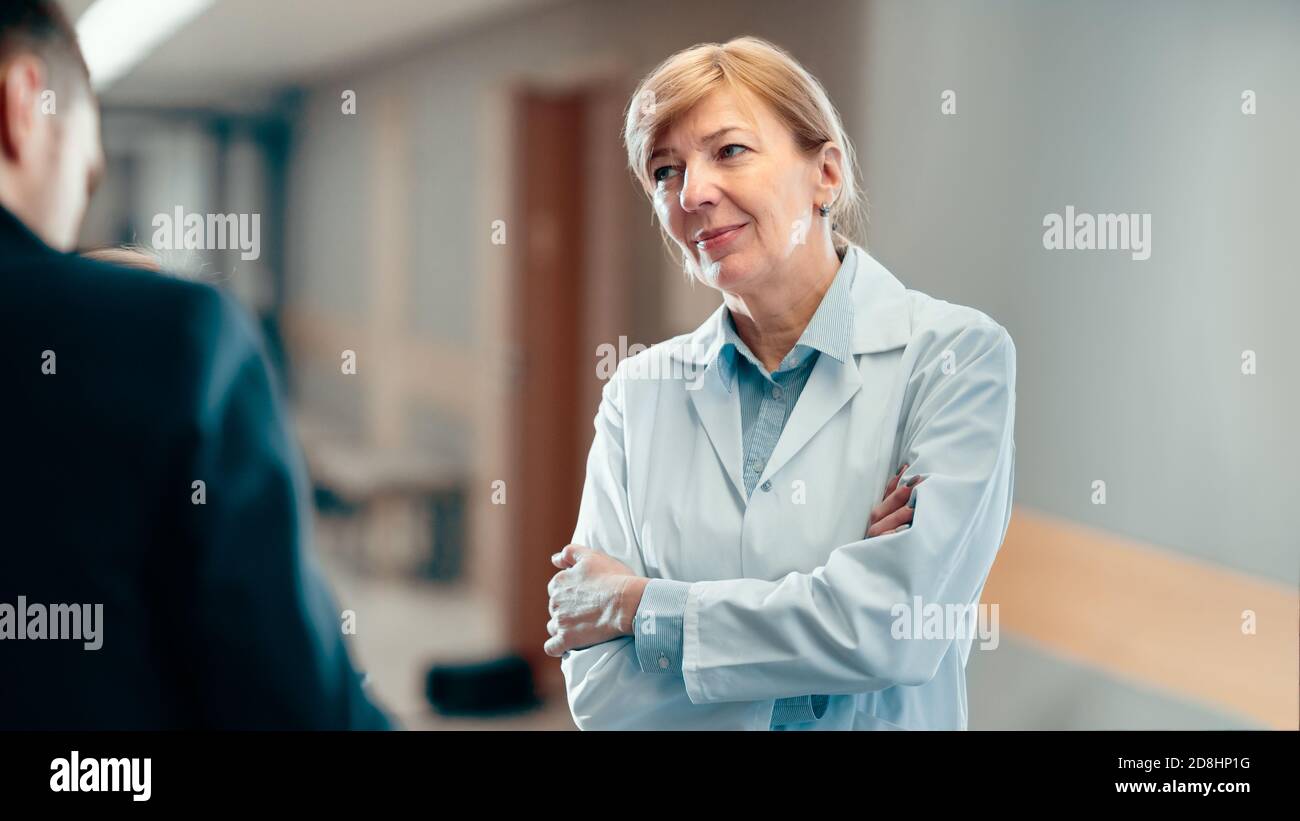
(659, 176)
(727, 148)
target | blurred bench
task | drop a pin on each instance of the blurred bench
(390, 511)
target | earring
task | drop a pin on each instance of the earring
(824, 209)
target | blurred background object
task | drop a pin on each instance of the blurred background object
(450, 243)
(132, 256)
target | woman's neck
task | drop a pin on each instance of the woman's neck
(771, 319)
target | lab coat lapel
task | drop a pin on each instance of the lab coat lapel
(831, 385)
(717, 407)
(882, 322)
(719, 412)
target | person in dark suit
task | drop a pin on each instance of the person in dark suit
(155, 569)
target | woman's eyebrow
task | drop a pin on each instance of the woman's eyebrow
(708, 138)
(725, 129)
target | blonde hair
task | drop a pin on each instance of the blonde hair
(748, 66)
(131, 256)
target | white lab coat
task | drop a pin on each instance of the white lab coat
(788, 597)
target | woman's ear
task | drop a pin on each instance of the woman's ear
(830, 166)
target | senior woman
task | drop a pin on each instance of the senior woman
(729, 569)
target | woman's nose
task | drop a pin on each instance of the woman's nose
(698, 189)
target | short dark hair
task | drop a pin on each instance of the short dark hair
(41, 27)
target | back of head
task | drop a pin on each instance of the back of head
(50, 153)
(41, 28)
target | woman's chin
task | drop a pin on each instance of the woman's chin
(724, 273)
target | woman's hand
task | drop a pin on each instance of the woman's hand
(894, 513)
(593, 599)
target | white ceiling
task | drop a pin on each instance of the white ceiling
(242, 46)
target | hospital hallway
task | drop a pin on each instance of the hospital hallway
(433, 228)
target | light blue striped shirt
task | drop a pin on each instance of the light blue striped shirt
(766, 402)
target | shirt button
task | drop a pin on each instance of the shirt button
(755, 465)
(767, 485)
(663, 662)
(777, 393)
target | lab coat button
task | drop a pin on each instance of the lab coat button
(767, 485)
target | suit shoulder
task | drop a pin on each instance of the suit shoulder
(154, 303)
(193, 326)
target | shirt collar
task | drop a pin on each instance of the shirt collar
(882, 317)
(830, 331)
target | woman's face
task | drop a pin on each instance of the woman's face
(716, 169)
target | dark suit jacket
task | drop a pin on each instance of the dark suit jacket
(214, 615)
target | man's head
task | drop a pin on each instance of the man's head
(50, 154)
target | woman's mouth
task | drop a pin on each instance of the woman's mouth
(720, 239)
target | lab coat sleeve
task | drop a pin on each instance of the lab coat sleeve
(657, 633)
(833, 630)
(605, 685)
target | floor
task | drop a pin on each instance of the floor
(404, 625)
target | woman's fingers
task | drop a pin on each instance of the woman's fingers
(911, 500)
(568, 556)
(888, 516)
(893, 483)
(893, 500)
(894, 520)
(910, 484)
